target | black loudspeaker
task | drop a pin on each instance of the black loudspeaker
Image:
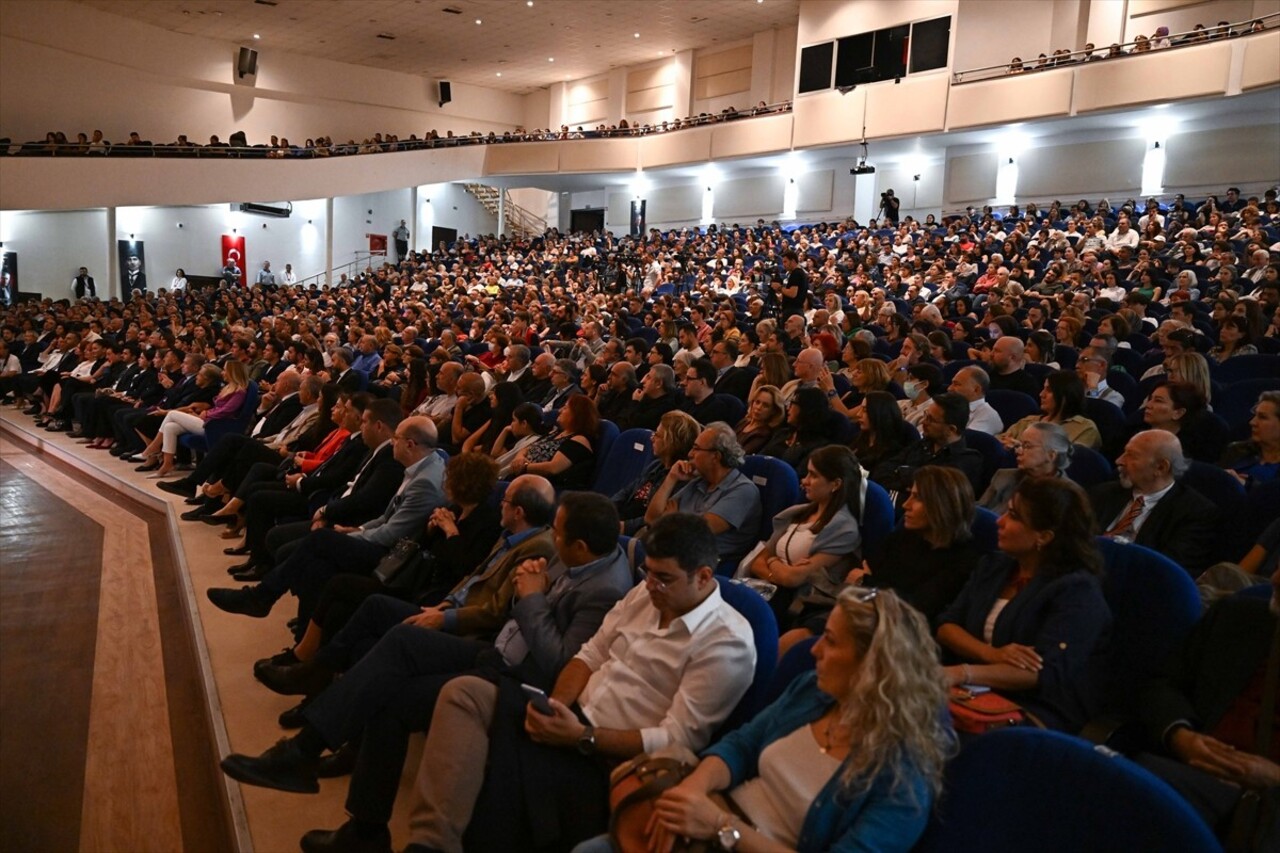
(446, 92)
(247, 63)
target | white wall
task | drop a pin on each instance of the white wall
(51, 247)
(450, 206)
(989, 32)
(1146, 15)
(70, 67)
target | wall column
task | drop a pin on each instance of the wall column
(328, 240)
(502, 211)
(113, 263)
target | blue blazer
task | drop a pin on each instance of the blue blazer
(1065, 619)
(883, 818)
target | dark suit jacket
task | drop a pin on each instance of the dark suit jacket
(489, 598)
(647, 411)
(272, 373)
(736, 382)
(532, 389)
(1065, 619)
(336, 471)
(350, 381)
(375, 485)
(1216, 663)
(280, 416)
(1182, 526)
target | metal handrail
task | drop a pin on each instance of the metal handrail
(350, 149)
(348, 267)
(1177, 40)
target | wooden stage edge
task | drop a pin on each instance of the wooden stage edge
(233, 805)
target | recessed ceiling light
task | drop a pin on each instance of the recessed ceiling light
(637, 35)
(528, 2)
(551, 59)
(479, 22)
(499, 73)
(255, 35)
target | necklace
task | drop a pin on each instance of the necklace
(825, 748)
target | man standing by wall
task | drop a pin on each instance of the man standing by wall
(401, 236)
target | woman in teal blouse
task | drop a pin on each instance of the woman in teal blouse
(849, 758)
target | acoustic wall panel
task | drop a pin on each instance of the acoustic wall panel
(971, 178)
(814, 191)
(752, 197)
(1220, 158)
(675, 204)
(1076, 170)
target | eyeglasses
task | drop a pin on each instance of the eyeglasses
(702, 449)
(654, 582)
(1019, 446)
(868, 595)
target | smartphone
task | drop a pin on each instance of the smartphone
(539, 699)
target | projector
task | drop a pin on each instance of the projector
(862, 169)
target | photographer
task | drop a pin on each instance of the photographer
(889, 205)
(791, 294)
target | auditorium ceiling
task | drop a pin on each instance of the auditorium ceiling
(510, 45)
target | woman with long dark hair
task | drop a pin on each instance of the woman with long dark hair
(1062, 403)
(808, 418)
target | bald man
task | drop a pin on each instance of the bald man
(807, 368)
(1008, 368)
(1148, 505)
(353, 550)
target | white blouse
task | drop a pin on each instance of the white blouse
(793, 771)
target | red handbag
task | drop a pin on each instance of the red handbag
(982, 712)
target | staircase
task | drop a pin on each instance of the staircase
(519, 221)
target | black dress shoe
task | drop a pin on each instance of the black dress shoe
(242, 567)
(31, 410)
(253, 574)
(340, 763)
(282, 658)
(344, 840)
(420, 848)
(218, 520)
(238, 551)
(198, 500)
(58, 426)
(282, 767)
(182, 487)
(301, 679)
(293, 717)
(120, 452)
(247, 601)
(198, 513)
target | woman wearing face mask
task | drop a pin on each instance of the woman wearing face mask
(924, 381)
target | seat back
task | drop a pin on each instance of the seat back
(1012, 406)
(1126, 386)
(1235, 402)
(1088, 467)
(1031, 789)
(779, 488)
(1247, 367)
(1110, 422)
(737, 408)
(877, 517)
(633, 547)
(984, 531)
(629, 454)
(764, 630)
(604, 444)
(994, 455)
(797, 661)
(1154, 604)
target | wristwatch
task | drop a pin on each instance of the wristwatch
(587, 741)
(727, 836)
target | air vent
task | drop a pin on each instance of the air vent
(387, 36)
(451, 10)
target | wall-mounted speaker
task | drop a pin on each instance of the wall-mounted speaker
(247, 62)
(445, 92)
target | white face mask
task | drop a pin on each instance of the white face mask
(911, 388)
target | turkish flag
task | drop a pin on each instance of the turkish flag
(233, 252)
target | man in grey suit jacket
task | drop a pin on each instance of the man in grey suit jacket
(390, 692)
(353, 550)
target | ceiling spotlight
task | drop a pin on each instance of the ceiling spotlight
(479, 22)
(255, 35)
(499, 73)
(637, 35)
(528, 2)
(551, 59)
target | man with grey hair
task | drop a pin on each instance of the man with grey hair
(614, 399)
(972, 384)
(1149, 506)
(564, 384)
(654, 398)
(344, 374)
(807, 368)
(440, 407)
(710, 484)
(535, 382)
(1092, 367)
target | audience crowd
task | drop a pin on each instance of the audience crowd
(56, 143)
(531, 497)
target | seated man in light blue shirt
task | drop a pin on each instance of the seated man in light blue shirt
(709, 484)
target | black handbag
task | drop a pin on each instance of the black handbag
(405, 554)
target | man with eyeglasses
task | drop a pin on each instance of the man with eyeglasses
(1092, 367)
(564, 384)
(710, 484)
(670, 662)
(700, 401)
(730, 379)
(352, 550)
(941, 443)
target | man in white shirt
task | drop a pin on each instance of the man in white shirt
(440, 407)
(972, 383)
(289, 277)
(670, 662)
(1122, 236)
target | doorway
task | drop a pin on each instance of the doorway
(586, 220)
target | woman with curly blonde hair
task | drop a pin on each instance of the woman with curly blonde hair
(850, 756)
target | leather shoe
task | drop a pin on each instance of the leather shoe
(344, 840)
(340, 763)
(246, 600)
(197, 500)
(293, 718)
(415, 847)
(241, 567)
(198, 513)
(238, 551)
(282, 658)
(253, 574)
(218, 520)
(301, 679)
(178, 487)
(282, 767)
